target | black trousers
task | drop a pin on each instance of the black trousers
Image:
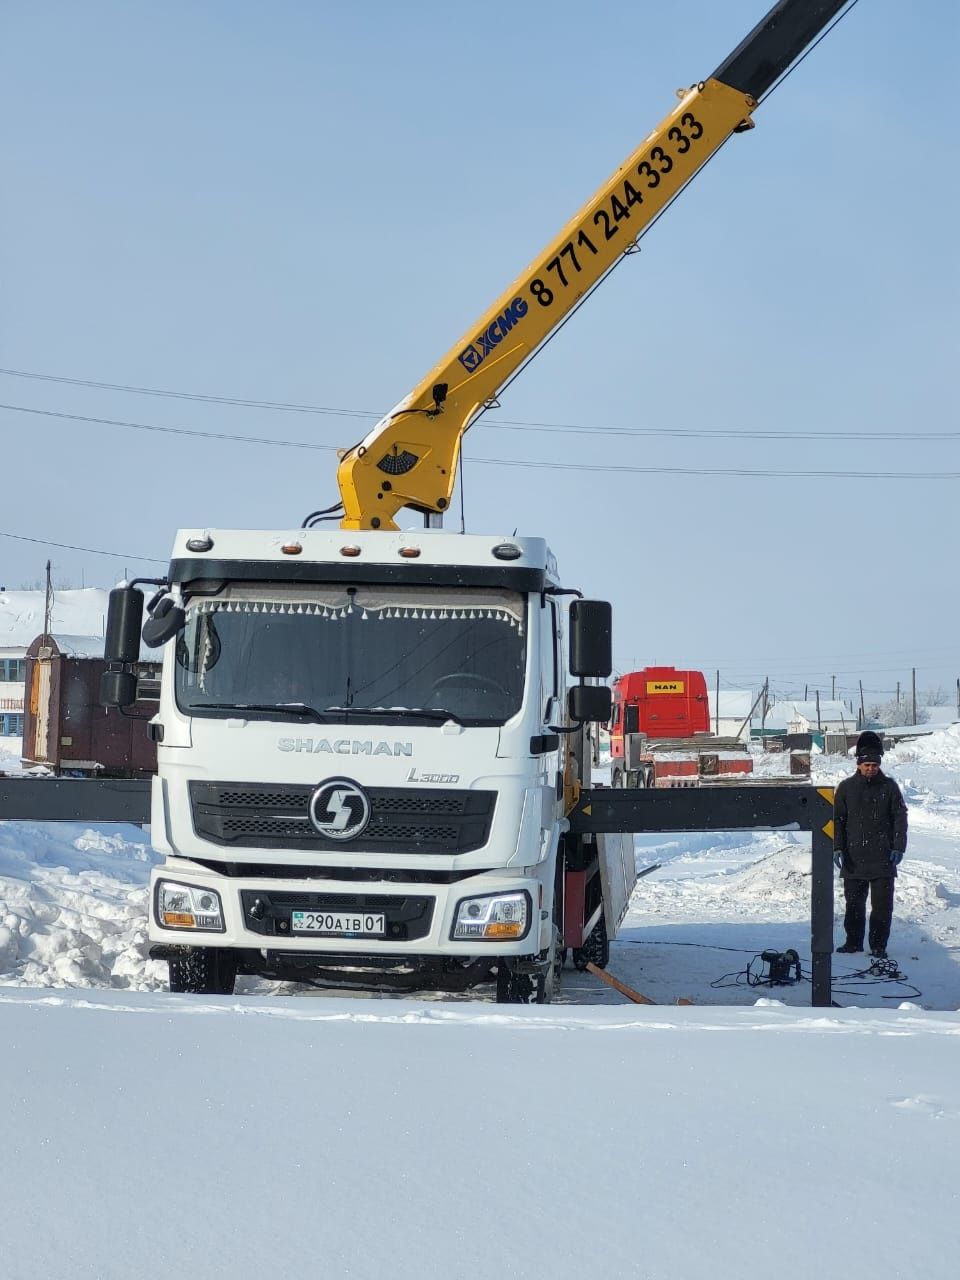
(881, 910)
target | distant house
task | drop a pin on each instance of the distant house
(735, 707)
(805, 717)
(77, 612)
(12, 667)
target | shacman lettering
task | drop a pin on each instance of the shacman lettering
(346, 747)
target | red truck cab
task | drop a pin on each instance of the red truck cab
(661, 702)
(660, 732)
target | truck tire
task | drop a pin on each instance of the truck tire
(617, 779)
(203, 971)
(534, 988)
(595, 950)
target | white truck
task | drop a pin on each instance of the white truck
(367, 748)
(364, 762)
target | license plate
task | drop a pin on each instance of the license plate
(343, 924)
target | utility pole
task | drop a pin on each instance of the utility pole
(766, 702)
(47, 608)
(819, 729)
(833, 688)
(717, 717)
(805, 687)
(958, 696)
(913, 681)
(863, 714)
(898, 695)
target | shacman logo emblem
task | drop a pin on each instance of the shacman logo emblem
(472, 357)
(339, 809)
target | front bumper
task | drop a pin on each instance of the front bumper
(419, 917)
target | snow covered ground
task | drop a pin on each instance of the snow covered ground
(363, 1137)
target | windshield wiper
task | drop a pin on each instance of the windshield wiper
(299, 709)
(398, 713)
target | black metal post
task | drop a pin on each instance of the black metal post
(821, 919)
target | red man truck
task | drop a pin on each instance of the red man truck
(660, 732)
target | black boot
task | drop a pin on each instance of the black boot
(849, 948)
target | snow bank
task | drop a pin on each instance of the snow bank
(73, 904)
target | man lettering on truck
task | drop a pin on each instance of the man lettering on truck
(870, 839)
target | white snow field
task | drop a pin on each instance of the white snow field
(283, 1130)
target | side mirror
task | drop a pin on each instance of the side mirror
(591, 638)
(166, 621)
(118, 688)
(590, 702)
(124, 615)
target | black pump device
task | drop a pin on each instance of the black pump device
(783, 966)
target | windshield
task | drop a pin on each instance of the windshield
(335, 653)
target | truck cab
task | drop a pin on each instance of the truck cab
(362, 759)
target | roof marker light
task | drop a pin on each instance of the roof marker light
(350, 551)
(204, 543)
(507, 551)
(409, 553)
(291, 548)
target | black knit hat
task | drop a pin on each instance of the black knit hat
(869, 748)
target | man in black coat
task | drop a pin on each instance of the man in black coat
(869, 841)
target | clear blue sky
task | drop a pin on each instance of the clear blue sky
(310, 202)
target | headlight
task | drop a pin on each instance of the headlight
(498, 917)
(183, 906)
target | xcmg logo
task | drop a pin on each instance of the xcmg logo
(473, 356)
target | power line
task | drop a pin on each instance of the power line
(69, 546)
(606, 468)
(505, 424)
(619, 468)
(173, 431)
(719, 433)
(242, 402)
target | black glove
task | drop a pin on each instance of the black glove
(896, 856)
(838, 859)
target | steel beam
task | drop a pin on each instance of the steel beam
(28, 799)
(752, 806)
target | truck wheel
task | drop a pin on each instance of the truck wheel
(617, 779)
(515, 988)
(204, 971)
(596, 949)
(534, 988)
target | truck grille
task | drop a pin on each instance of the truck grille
(402, 820)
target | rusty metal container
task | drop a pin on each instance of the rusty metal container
(64, 726)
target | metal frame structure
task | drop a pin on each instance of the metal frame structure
(753, 806)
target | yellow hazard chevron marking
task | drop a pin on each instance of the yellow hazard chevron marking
(827, 828)
(587, 810)
(827, 793)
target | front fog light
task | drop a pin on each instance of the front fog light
(181, 906)
(501, 917)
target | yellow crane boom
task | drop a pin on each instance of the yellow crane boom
(409, 459)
